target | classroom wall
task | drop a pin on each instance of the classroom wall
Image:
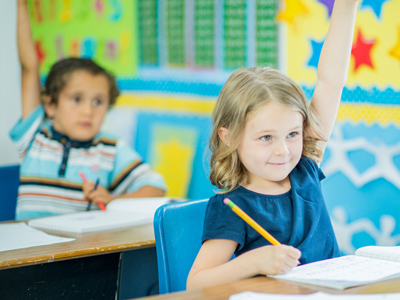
(362, 160)
(171, 58)
(10, 106)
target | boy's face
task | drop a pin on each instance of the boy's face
(82, 105)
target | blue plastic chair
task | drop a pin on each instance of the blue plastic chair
(9, 182)
(178, 228)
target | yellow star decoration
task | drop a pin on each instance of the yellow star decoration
(174, 162)
(293, 12)
(395, 51)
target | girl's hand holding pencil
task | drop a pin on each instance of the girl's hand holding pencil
(271, 260)
(274, 260)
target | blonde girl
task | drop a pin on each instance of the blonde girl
(267, 143)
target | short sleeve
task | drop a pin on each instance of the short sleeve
(221, 222)
(130, 172)
(321, 174)
(313, 166)
(24, 130)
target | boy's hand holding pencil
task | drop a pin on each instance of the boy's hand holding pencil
(95, 193)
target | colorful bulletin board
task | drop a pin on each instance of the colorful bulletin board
(187, 51)
(105, 31)
(207, 34)
(363, 155)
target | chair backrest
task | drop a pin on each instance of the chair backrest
(9, 182)
(178, 228)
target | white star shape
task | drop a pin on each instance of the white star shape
(339, 162)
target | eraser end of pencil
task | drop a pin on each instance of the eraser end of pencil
(82, 176)
(228, 202)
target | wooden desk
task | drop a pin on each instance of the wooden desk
(87, 268)
(269, 285)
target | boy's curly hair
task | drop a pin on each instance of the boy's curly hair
(61, 70)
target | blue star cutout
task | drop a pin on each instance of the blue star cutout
(329, 5)
(375, 5)
(316, 51)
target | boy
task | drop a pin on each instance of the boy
(60, 143)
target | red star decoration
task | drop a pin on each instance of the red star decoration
(39, 52)
(361, 51)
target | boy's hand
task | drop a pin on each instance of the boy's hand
(275, 260)
(98, 195)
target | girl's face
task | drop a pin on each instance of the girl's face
(270, 147)
(82, 105)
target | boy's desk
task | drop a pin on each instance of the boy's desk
(89, 267)
(263, 284)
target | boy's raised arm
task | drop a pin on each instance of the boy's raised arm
(333, 65)
(30, 82)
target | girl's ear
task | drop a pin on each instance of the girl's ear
(223, 134)
(49, 108)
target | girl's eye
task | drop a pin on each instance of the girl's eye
(266, 138)
(76, 99)
(292, 134)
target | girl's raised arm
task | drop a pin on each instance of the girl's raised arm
(30, 82)
(333, 65)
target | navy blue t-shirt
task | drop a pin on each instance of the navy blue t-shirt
(298, 217)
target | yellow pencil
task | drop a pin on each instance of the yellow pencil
(251, 222)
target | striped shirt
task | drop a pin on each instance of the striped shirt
(50, 164)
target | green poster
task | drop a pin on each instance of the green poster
(234, 33)
(204, 33)
(176, 32)
(266, 33)
(148, 31)
(105, 31)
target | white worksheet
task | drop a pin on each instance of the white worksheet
(19, 235)
(343, 272)
(386, 253)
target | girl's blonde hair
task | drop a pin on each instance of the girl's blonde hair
(246, 90)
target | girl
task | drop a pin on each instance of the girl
(266, 144)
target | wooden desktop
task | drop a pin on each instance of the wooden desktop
(87, 268)
(263, 284)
